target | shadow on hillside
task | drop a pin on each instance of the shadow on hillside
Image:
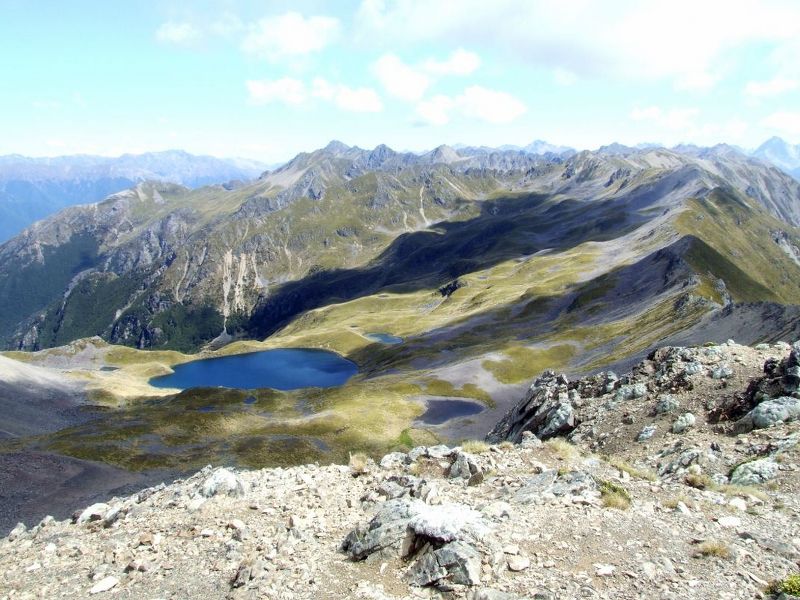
(506, 229)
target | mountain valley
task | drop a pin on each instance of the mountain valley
(488, 267)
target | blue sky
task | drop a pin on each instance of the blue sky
(269, 79)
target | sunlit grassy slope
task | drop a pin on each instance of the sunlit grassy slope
(576, 308)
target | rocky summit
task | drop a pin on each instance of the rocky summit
(678, 479)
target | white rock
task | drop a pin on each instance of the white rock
(602, 570)
(104, 585)
(93, 513)
(518, 563)
(738, 503)
(729, 522)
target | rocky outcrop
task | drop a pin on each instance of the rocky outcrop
(601, 517)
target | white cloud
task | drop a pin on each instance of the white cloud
(676, 120)
(620, 39)
(290, 34)
(286, 90)
(351, 99)
(475, 102)
(489, 105)
(436, 110)
(399, 79)
(564, 76)
(177, 33)
(786, 123)
(294, 92)
(772, 87)
(460, 62)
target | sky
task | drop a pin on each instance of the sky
(268, 79)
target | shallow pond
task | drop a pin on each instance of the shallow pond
(281, 369)
(440, 411)
(384, 338)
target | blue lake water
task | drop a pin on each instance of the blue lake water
(384, 338)
(282, 369)
(439, 411)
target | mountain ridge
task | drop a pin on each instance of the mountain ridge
(33, 188)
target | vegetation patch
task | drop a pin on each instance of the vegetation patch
(523, 363)
(715, 548)
(614, 495)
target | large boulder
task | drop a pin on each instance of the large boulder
(770, 412)
(222, 481)
(444, 542)
(755, 472)
(546, 411)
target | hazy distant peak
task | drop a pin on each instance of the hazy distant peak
(336, 147)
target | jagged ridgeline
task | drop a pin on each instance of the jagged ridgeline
(614, 244)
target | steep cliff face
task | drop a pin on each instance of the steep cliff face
(164, 266)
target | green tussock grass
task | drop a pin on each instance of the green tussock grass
(522, 363)
(613, 495)
(790, 585)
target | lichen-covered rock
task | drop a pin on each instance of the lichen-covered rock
(630, 392)
(684, 422)
(666, 404)
(755, 472)
(774, 411)
(722, 371)
(647, 432)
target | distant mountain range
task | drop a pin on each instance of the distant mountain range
(163, 266)
(33, 188)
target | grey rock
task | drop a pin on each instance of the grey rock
(630, 392)
(385, 531)
(755, 472)
(465, 466)
(774, 411)
(529, 440)
(394, 460)
(647, 432)
(573, 483)
(558, 420)
(545, 410)
(398, 524)
(491, 594)
(222, 481)
(773, 545)
(435, 452)
(535, 486)
(684, 422)
(455, 562)
(692, 368)
(666, 404)
(722, 371)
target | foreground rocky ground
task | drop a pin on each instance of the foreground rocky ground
(679, 480)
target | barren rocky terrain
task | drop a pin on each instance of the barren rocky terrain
(676, 480)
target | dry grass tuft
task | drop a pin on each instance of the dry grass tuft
(714, 548)
(359, 463)
(474, 446)
(635, 472)
(563, 449)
